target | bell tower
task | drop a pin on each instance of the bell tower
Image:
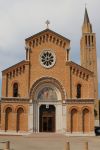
(88, 52)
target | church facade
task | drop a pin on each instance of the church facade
(48, 92)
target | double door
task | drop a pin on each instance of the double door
(48, 123)
(47, 119)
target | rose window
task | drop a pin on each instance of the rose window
(47, 58)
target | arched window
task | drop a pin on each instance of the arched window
(15, 90)
(78, 91)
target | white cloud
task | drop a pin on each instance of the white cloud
(22, 18)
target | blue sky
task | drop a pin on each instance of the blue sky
(20, 19)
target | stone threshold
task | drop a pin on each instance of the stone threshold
(78, 134)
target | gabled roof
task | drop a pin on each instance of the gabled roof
(44, 31)
(23, 62)
(71, 63)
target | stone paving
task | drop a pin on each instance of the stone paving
(44, 141)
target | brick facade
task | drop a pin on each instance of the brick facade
(66, 86)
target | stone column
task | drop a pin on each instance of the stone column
(30, 117)
(35, 116)
(68, 121)
(64, 115)
(58, 117)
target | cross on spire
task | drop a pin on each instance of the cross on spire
(47, 23)
(85, 5)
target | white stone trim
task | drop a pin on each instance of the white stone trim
(79, 134)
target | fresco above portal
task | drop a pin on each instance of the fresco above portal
(47, 93)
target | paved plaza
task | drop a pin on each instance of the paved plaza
(50, 141)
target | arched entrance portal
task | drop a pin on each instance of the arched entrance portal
(47, 118)
(46, 93)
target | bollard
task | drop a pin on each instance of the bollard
(7, 145)
(86, 145)
(67, 147)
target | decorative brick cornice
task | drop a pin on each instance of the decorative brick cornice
(18, 65)
(47, 30)
(79, 70)
(27, 100)
(15, 70)
(47, 36)
(78, 67)
(14, 99)
(79, 101)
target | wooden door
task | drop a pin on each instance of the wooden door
(47, 119)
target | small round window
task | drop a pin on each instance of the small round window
(47, 58)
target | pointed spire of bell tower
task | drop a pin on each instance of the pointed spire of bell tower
(88, 50)
(87, 27)
(86, 17)
(88, 55)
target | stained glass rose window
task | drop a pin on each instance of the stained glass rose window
(47, 58)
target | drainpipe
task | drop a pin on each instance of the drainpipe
(70, 82)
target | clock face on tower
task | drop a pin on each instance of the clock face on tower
(47, 58)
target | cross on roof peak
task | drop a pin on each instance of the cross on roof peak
(47, 23)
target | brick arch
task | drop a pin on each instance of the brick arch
(15, 81)
(74, 107)
(20, 106)
(79, 82)
(86, 107)
(10, 106)
(46, 80)
(74, 119)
